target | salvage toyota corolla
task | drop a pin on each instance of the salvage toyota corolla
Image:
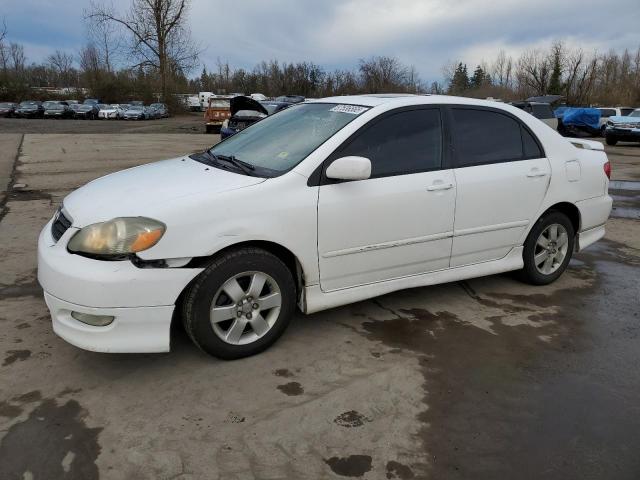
(323, 204)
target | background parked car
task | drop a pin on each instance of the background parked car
(607, 112)
(290, 99)
(576, 122)
(136, 112)
(7, 109)
(542, 111)
(30, 109)
(246, 111)
(91, 101)
(162, 109)
(57, 110)
(623, 128)
(88, 111)
(111, 112)
(152, 113)
(74, 108)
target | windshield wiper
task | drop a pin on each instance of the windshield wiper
(247, 168)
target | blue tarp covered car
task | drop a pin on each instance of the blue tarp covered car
(575, 121)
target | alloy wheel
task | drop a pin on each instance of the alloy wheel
(245, 308)
(551, 249)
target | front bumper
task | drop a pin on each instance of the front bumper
(624, 134)
(142, 300)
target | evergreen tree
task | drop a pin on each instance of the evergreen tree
(460, 81)
(204, 80)
(555, 81)
(479, 77)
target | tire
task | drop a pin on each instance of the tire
(611, 140)
(603, 130)
(558, 253)
(233, 335)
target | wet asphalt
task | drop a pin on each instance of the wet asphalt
(481, 379)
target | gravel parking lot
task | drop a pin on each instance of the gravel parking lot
(486, 378)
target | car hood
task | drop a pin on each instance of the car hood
(245, 103)
(624, 119)
(146, 190)
(133, 112)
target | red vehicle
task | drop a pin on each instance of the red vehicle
(218, 110)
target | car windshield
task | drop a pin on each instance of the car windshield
(281, 141)
(156, 105)
(28, 104)
(6, 105)
(135, 107)
(635, 113)
(53, 106)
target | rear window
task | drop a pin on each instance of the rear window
(607, 112)
(542, 111)
(485, 136)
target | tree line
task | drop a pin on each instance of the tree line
(582, 78)
(146, 52)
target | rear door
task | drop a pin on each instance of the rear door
(502, 177)
(397, 223)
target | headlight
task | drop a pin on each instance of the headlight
(610, 123)
(225, 124)
(119, 236)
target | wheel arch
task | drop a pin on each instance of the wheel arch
(284, 254)
(570, 210)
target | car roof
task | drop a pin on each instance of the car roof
(387, 99)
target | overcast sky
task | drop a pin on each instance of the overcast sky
(336, 33)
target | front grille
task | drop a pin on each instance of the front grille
(60, 225)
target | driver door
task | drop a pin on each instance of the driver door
(397, 223)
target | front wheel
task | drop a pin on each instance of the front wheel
(548, 249)
(240, 304)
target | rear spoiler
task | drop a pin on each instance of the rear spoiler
(586, 144)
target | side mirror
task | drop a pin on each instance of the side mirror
(349, 168)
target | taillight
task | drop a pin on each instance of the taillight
(607, 170)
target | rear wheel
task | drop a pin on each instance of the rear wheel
(611, 140)
(603, 130)
(240, 304)
(548, 249)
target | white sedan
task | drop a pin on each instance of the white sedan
(111, 112)
(323, 204)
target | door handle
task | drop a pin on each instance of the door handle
(534, 172)
(439, 186)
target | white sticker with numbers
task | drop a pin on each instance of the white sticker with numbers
(352, 109)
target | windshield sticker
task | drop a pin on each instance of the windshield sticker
(283, 154)
(352, 109)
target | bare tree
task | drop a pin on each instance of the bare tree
(502, 70)
(61, 64)
(380, 74)
(4, 52)
(158, 32)
(17, 57)
(106, 38)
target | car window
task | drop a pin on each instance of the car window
(529, 145)
(484, 136)
(625, 111)
(607, 112)
(402, 143)
(542, 111)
